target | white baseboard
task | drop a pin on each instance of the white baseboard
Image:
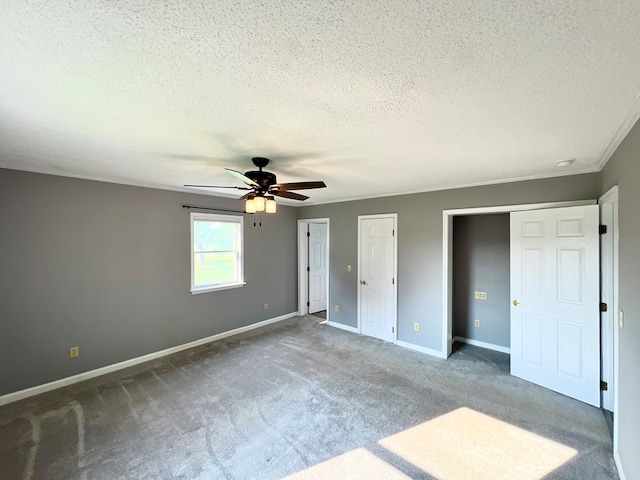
(343, 327)
(478, 343)
(616, 458)
(418, 348)
(63, 382)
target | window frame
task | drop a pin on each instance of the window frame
(238, 222)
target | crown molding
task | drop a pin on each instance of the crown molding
(622, 131)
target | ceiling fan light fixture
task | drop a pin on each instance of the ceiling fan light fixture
(250, 205)
(271, 205)
(259, 204)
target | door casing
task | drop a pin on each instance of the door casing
(303, 252)
(613, 328)
(321, 272)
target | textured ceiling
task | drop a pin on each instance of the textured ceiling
(372, 97)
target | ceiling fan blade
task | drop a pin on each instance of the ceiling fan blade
(246, 196)
(298, 185)
(291, 195)
(217, 186)
(242, 177)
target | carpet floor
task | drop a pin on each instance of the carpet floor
(306, 400)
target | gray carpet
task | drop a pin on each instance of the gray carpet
(275, 401)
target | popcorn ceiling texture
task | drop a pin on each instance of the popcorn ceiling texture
(372, 97)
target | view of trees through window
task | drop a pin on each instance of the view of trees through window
(216, 250)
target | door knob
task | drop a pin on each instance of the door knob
(363, 282)
(516, 303)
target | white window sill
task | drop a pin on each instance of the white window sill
(215, 288)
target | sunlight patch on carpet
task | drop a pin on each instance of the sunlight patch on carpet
(359, 464)
(465, 444)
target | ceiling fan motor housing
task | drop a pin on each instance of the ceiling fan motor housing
(264, 179)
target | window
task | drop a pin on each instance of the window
(216, 252)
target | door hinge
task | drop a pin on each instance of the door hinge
(308, 304)
(393, 329)
(603, 307)
(393, 281)
(308, 234)
(604, 386)
(308, 269)
(393, 233)
(603, 229)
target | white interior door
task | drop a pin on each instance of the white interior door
(317, 267)
(377, 302)
(555, 331)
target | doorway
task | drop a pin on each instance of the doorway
(447, 255)
(481, 281)
(560, 230)
(313, 267)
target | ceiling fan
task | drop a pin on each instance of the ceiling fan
(263, 187)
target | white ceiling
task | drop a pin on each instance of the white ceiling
(372, 97)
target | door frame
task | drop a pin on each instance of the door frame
(447, 255)
(609, 349)
(613, 235)
(303, 255)
(395, 270)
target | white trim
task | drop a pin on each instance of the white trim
(478, 343)
(621, 132)
(302, 277)
(616, 457)
(291, 203)
(447, 253)
(239, 248)
(454, 186)
(612, 196)
(447, 283)
(395, 269)
(518, 208)
(418, 348)
(303, 247)
(608, 280)
(226, 286)
(343, 327)
(63, 382)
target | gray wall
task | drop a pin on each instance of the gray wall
(420, 244)
(106, 267)
(624, 170)
(481, 263)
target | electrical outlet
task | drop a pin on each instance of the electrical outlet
(348, 268)
(481, 296)
(337, 308)
(74, 352)
(266, 306)
(416, 326)
(476, 323)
